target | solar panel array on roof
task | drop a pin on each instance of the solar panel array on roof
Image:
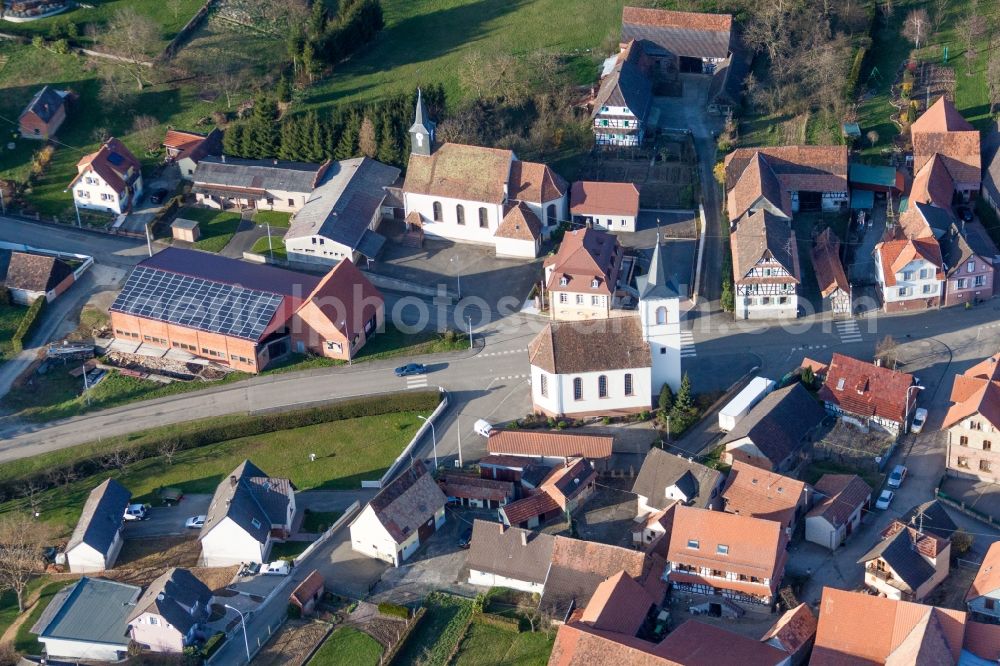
(115, 159)
(193, 302)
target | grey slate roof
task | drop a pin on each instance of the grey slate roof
(656, 284)
(935, 519)
(899, 553)
(45, 103)
(627, 85)
(91, 610)
(938, 219)
(408, 502)
(498, 550)
(980, 241)
(102, 517)
(249, 494)
(726, 87)
(682, 40)
(779, 423)
(342, 207)
(660, 470)
(229, 172)
(170, 595)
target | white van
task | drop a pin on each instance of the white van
(136, 512)
(483, 427)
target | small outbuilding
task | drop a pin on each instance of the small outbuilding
(834, 518)
(97, 539)
(185, 230)
(308, 593)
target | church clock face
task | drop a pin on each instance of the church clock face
(420, 139)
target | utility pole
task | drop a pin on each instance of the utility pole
(471, 346)
(270, 250)
(458, 428)
(149, 240)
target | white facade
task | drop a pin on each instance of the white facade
(314, 250)
(756, 300)
(493, 580)
(661, 329)
(917, 281)
(279, 200)
(617, 126)
(554, 211)
(84, 558)
(820, 531)
(832, 201)
(472, 231)
(556, 394)
(92, 192)
(227, 543)
(370, 538)
(70, 649)
(519, 249)
(607, 222)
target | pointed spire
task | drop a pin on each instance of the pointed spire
(422, 130)
(655, 284)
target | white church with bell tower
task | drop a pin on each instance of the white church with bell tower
(659, 312)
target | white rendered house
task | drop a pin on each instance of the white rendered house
(109, 180)
(909, 274)
(97, 539)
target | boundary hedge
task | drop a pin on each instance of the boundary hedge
(394, 610)
(29, 322)
(510, 624)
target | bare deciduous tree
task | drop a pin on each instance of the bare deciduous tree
(916, 26)
(147, 132)
(886, 351)
(32, 491)
(22, 545)
(130, 36)
(61, 476)
(367, 142)
(887, 7)
(168, 449)
(118, 458)
(872, 137)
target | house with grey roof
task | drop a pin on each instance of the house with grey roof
(88, 620)
(665, 478)
(30, 276)
(44, 114)
(97, 538)
(401, 517)
(501, 556)
(224, 182)
(249, 512)
(623, 101)
(340, 217)
(171, 612)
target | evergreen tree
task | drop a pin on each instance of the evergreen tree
(666, 401)
(388, 145)
(245, 147)
(284, 90)
(347, 147)
(808, 376)
(290, 139)
(367, 142)
(232, 140)
(263, 130)
(684, 400)
(317, 21)
(309, 63)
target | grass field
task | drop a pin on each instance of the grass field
(217, 227)
(10, 318)
(275, 218)
(486, 645)
(347, 646)
(425, 41)
(347, 452)
(26, 642)
(442, 627)
(319, 521)
(260, 246)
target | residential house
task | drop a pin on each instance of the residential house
(983, 597)
(225, 182)
(885, 180)
(665, 478)
(88, 620)
(248, 513)
(462, 192)
(990, 190)
(693, 643)
(172, 612)
(186, 149)
(560, 492)
(740, 558)
(910, 273)
(583, 279)
(651, 533)
(44, 114)
(471, 490)
(775, 435)
(968, 256)
(973, 423)
(308, 593)
(843, 500)
(501, 556)
(686, 42)
(907, 563)
(793, 633)
(930, 517)
(621, 106)
(33, 276)
(97, 538)
(619, 604)
(786, 179)
(758, 493)
(244, 315)
(551, 448)
(401, 517)
(766, 270)
(942, 131)
(605, 206)
(868, 395)
(108, 180)
(833, 283)
(341, 216)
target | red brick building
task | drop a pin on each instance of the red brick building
(44, 114)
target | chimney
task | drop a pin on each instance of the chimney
(232, 480)
(524, 538)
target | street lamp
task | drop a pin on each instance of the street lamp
(906, 417)
(459, 277)
(471, 346)
(433, 438)
(246, 643)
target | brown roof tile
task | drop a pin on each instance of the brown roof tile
(896, 254)
(807, 168)
(988, 577)
(751, 491)
(114, 173)
(459, 171)
(982, 640)
(510, 552)
(599, 198)
(308, 588)
(474, 487)
(844, 494)
(794, 630)
(619, 604)
(407, 502)
(756, 182)
(664, 18)
(586, 255)
(760, 236)
(35, 272)
(549, 444)
(535, 182)
(591, 346)
(519, 223)
(942, 130)
(529, 507)
(826, 262)
(865, 389)
(976, 391)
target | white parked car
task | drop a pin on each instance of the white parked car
(919, 419)
(195, 522)
(897, 476)
(483, 427)
(884, 500)
(136, 512)
(278, 568)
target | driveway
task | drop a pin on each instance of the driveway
(144, 211)
(168, 520)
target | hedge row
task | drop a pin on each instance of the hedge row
(410, 626)
(500, 621)
(212, 433)
(29, 322)
(855, 73)
(394, 610)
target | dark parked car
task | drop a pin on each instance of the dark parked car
(158, 196)
(965, 213)
(410, 369)
(465, 539)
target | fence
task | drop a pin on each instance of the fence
(413, 442)
(348, 515)
(171, 49)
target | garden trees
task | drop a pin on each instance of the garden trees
(130, 35)
(666, 399)
(916, 26)
(22, 548)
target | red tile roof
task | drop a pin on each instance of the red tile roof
(757, 493)
(112, 162)
(519, 223)
(308, 588)
(568, 481)
(345, 298)
(757, 181)
(474, 487)
(983, 640)
(844, 494)
(618, 604)
(549, 444)
(976, 391)
(826, 261)
(598, 198)
(797, 168)
(867, 390)
(988, 578)
(896, 254)
(795, 629)
(665, 18)
(535, 182)
(586, 255)
(530, 507)
(942, 131)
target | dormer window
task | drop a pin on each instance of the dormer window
(693, 544)
(840, 384)
(563, 281)
(595, 283)
(255, 523)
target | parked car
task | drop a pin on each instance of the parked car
(195, 522)
(483, 427)
(410, 369)
(136, 512)
(278, 568)
(884, 500)
(919, 418)
(896, 476)
(465, 539)
(158, 196)
(965, 213)
(250, 569)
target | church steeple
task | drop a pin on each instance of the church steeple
(422, 130)
(656, 284)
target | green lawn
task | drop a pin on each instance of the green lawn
(889, 50)
(10, 318)
(260, 246)
(393, 342)
(347, 452)
(217, 227)
(448, 30)
(818, 468)
(440, 630)
(26, 642)
(275, 218)
(288, 550)
(347, 646)
(319, 521)
(486, 645)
